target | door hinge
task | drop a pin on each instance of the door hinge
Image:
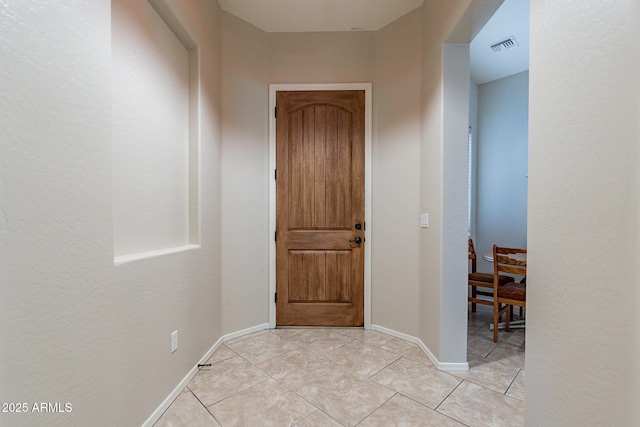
(275, 112)
(275, 174)
(275, 297)
(275, 236)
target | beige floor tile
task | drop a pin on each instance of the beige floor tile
(485, 331)
(368, 336)
(508, 354)
(222, 353)
(478, 406)
(262, 347)
(265, 404)
(480, 341)
(478, 320)
(422, 383)
(407, 349)
(474, 328)
(400, 411)
(346, 397)
(320, 340)
(318, 419)
(480, 345)
(515, 337)
(224, 379)
(300, 359)
(362, 358)
(286, 332)
(297, 368)
(186, 410)
(516, 389)
(488, 373)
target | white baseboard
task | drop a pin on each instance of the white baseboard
(442, 366)
(155, 416)
(247, 331)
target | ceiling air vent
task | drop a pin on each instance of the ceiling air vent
(505, 44)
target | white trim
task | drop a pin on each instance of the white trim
(367, 87)
(247, 331)
(123, 259)
(442, 366)
(155, 416)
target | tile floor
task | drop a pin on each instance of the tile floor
(348, 377)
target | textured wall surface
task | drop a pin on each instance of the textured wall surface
(150, 122)
(245, 176)
(394, 61)
(452, 346)
(75, 328)
(84, 331)
(396, 176)
(582, 323)
(441, 168)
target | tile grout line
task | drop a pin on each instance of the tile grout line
(295, 392)
(323, 355)
(378, 407)
(203, 405)
(317, 410)
(511, 383)
(432, 409)
(447, 396)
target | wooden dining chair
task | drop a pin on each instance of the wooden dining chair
(506, 295)
(481, 283)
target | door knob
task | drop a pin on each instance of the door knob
(358, 226)
(357, 240)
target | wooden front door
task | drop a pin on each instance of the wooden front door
(320, 208)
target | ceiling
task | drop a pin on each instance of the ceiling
(511, 19)
(319, 15)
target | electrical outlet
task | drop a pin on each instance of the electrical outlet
(174, 341)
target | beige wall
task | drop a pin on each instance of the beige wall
(389, 58)
(396, 176)
(252, 59)
(404, 62)
(582, 318)
(417, 270)
(76, 328)
(334, 57)
(442, 245)
(245, 184)
(97, 335)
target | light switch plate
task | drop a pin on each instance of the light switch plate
(174, 341)
(424, 220)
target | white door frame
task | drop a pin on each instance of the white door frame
(273, 88)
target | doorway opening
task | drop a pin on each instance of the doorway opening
(366, 225)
